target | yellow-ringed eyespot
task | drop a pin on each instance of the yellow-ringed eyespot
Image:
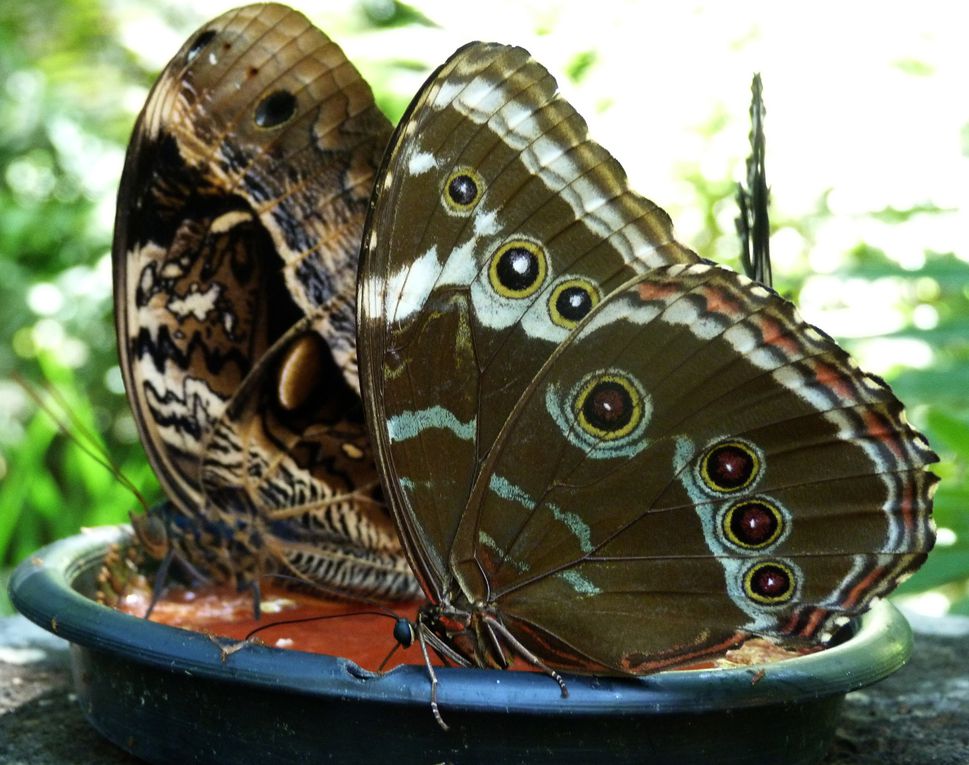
(753, 523)
(770, 583)
(518, 269)
(609, 406)
(729, 466)
(605, 413)
(462, 190)
(571, 300)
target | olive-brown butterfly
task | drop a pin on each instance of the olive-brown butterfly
(604, 454)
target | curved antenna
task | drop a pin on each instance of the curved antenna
(71, 426)
(322, 617)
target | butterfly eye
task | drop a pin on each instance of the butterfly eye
(518, 269)
(275, 109)
(730, 466)
(608, 407)
(404, 633)
(200, 42)
(463, 189)
(152, 534)
(570, 301)
(770, 583)
(753, 524)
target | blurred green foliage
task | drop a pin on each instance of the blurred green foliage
(68, 96)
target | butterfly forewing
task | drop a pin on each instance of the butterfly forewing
(240, 211)
(496, 225)
(692, 465)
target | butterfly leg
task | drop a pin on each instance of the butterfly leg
(256, 599)
(158, 585)
(422, 642)
(496, 626)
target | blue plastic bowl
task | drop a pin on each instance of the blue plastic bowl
(165, 695)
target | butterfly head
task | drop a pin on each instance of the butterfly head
(152, 530)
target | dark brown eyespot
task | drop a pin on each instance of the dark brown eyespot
(463, 189)
(571, 300)
(200, 42)
(518, 269)
(275, 109)
(730, 466)
(770, 583)
(608, 407)
(753, 524)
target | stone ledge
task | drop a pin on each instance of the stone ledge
(919, 715)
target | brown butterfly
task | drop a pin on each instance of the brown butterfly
(603, 454)
(238, 228)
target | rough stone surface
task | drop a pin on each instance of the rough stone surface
(919, 716)
(40, 720)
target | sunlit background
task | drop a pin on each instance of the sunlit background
(868, 137)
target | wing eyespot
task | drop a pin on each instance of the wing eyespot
(275, 109)
(518, 269)
(730, 466)
(753, 524)
(463, 190)
(608, 407)
(770, 583)
(571, 300)
(199, 45)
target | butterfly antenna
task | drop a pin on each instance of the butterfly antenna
(753, 223)
(388, 657)
(77, 431)
(323, 617)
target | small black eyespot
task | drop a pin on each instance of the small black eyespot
(463, 190)
(573, 303)
(517, 269)
(275, 109)
(571, 300)
(200, 42)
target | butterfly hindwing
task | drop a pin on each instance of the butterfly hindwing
(289, 462)
(496, 225)
(694, 464)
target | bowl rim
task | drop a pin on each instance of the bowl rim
(41, 589)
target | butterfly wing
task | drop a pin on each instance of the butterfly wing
(496, 225)
(694, 464)
(288, 467)
(241, 208)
